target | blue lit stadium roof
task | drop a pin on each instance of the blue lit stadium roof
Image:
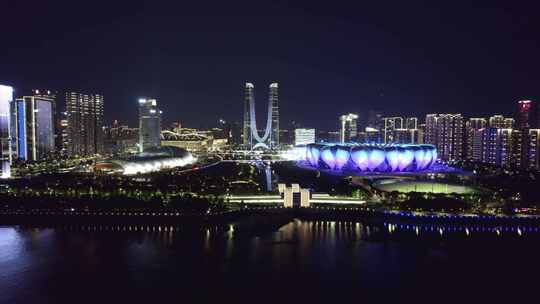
(371, 157)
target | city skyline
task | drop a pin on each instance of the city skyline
(283, 151)
(395, 66)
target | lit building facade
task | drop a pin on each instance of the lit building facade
(502, 147)
(304, 136)
(194, 142)
(153, 160)
(445, 131)
(249, 98)
(525, 109)
(6, 99)
(274, 101)
(349, 128)
(84, 123)
(501, 122)
(33, 127)
(390, 125)
(149, 124)
(406, 136)
(473, 137)
(250, 134)
(430, 129)
(533, 152)
(411, 123)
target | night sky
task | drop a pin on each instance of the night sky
(330, 58)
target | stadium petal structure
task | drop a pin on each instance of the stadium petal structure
(371, 158)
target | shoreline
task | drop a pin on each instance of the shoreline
(172, 217)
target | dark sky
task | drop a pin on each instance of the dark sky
(331, 57)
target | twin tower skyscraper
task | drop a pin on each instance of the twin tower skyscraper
(250, 135)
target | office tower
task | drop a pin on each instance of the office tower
(525, 108)
(390, 125)
(249, 98)
(57, 110)
(274, 101)
(33, 127)
(349, 128)
(501, 122)
(85, 123)
(304, 136)
(251, 137)
(473, 129)
(445, 131)
(149, 124)
(6, 99)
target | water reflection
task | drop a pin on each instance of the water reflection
(54, 264)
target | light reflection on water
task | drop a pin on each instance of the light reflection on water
(51, 265)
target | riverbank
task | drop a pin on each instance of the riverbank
(172, 217)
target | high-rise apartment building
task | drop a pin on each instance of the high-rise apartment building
(502, 147)
(85, 123)
(149, 124)
(33, 127)
(445, 131)
(533, 152)
(430, 129)
(473, 138)
(349, 128)
(6, 98)
(501, 122)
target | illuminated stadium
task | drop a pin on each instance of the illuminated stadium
(370, 157)
(149, 161)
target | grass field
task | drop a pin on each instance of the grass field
(419, 186)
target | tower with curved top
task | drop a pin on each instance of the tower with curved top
(250, 134)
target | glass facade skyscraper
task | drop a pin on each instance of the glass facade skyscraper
(149, 124)
(274, 101)
(249, 98)
(33, 127)
(250, 136)
(6, 98)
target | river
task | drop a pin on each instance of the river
(295, 261)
